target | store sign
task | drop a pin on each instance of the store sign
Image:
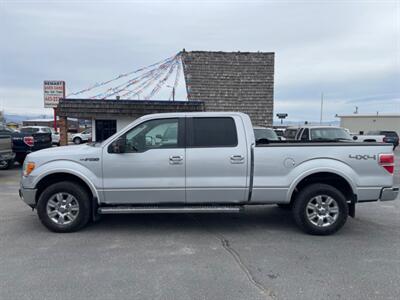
(53, 91)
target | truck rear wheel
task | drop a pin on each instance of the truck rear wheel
(320, 209)
(64, 207)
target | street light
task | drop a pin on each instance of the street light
(282, 116)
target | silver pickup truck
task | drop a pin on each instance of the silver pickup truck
(204, 162)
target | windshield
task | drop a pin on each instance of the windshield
(265, 133)
(290, 133)
(332, 134)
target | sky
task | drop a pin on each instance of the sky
(347, 50)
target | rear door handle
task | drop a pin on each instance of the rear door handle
(237, 159)
(175, 159)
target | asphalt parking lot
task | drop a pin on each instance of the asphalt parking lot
(259, 254)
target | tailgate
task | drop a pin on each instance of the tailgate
(42, 140)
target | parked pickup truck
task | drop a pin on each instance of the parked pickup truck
(6, 153)
(204, 162)
(30, 139)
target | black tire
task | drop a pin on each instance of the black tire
(306, 195)
(82, 198)
(285, 206)
(20, 158)
(77, 140)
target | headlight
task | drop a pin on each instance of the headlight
(28, 168)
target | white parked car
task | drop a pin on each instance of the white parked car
(55, 137)
(82, 137)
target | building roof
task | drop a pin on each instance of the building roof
(91, 108)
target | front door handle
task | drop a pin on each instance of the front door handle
(175, 159)
(237, 159)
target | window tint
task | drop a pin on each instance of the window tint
(29, 130)
(389, 133)
(153, 134)
(214, 132)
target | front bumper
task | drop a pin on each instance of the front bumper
(28, 196)
(388, 194)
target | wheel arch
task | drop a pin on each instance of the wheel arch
(59, 176)
(337, 180)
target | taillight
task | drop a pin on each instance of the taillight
(29, 141)
(387, 162)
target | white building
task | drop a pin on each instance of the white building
(358, 123)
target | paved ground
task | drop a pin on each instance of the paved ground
(259, 254)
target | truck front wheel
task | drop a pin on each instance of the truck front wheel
(320, 209)
(64, 207)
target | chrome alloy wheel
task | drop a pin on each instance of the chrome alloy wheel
(322, 211)
(62, 208)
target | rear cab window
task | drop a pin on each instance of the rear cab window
(29, 130)
(210, 132)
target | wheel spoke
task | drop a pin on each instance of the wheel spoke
(61, 220)
(70, 216)
(333, 210)
(311, 206)
(69, 199)
(329, 201)
(330, 219)
(319, 199)
(52, 203)
(320, 221)
(59, 197)
(52, 214)
(312, 215)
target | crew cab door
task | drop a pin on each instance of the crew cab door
(216, 160)
(152, 168)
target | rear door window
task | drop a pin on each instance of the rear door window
(212, 132)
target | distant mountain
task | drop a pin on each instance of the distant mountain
(19, 118)
(299, 123)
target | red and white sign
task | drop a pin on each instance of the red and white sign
(53, 91)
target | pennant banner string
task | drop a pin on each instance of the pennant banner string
(99, 84)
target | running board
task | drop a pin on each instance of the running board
(167, 209)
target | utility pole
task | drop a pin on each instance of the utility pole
(173, 94)
(322, 107)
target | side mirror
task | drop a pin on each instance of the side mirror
(355, 138)
(118, 146)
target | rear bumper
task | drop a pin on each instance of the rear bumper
(28, 196)
(388, 194)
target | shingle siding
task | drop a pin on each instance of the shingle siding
(232, 81)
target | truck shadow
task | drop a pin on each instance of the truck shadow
(269, 218)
